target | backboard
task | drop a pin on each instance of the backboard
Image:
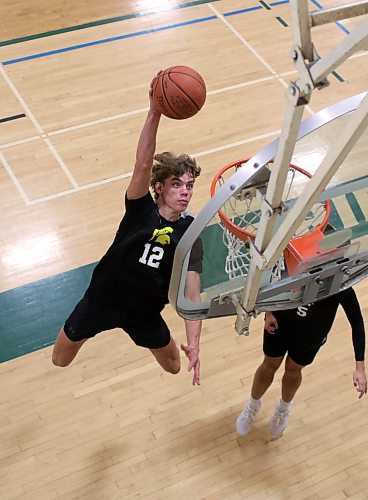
(340, 258)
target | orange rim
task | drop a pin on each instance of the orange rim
(243, 234)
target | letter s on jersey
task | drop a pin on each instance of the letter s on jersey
(302, 311)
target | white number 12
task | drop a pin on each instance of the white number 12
(151, 255)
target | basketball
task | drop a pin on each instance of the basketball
(179, 92)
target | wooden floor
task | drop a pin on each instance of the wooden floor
(113, 425)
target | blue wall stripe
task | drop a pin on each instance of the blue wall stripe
(108, 40)
(135, 34)
(280, 2)
(153, 30)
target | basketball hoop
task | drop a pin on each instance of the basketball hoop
(240, 216)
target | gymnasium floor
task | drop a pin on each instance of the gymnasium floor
(73, 96)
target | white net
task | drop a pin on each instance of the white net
(240, 216)
(238, 257)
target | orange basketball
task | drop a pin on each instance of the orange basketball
(179, 92)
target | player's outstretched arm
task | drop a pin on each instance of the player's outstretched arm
(140, 182)
(351, 306)
(193, 328)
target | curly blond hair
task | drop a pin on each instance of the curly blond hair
(167, 164)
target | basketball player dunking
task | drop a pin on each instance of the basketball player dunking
(129, 286)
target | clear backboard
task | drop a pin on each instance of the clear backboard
(329, 249)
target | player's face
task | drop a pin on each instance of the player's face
(176, 192)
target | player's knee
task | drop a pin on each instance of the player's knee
(174, 367)
(170, 365)
(270, 366)
(168, 358)
(292, 367)
(60, 361)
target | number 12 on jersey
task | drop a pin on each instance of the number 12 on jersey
(151, 255)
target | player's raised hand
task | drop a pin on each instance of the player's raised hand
(153, 105)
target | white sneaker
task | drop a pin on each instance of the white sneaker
(245, 419)
(279, 421)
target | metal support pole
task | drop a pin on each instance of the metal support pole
(264, 252)
(271, 206)
(334, 14)
(330, 164)
(301, 28)
(357, 40)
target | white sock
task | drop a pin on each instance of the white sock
(254, 403)
(282, 405)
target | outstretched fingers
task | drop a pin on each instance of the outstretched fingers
(360, 383)
(192, 354)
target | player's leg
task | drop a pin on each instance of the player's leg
(262, 380)
(150, 331)
(274, 349)
(87, 320)
(168, 357)
(291, 381)
(65, 350)
(264, 376)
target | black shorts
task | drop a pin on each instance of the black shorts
(146, 329)
(276, 345)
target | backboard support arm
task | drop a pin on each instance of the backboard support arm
(312, 71)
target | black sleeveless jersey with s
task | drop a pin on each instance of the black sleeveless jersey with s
(307, 326)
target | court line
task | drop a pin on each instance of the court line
(265, 5)
(64, 167)
(282, 21)
(38, 127)
(126, 17)
(101, 22)
(20, 141)
(254, 52)
(361, 54)
(21, 100)
(136, 112)
(135, 34)
(143, 110)
(13, 117)
(61, 162)
(242, 39)
(78, 188)
(107, 40)
(14, 179)
(340, 25)
(98, 122)
(129, 174)
(152, 30)
(237, 143)
(129, 35)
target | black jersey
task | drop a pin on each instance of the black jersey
(135, 272)
(307, 326)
